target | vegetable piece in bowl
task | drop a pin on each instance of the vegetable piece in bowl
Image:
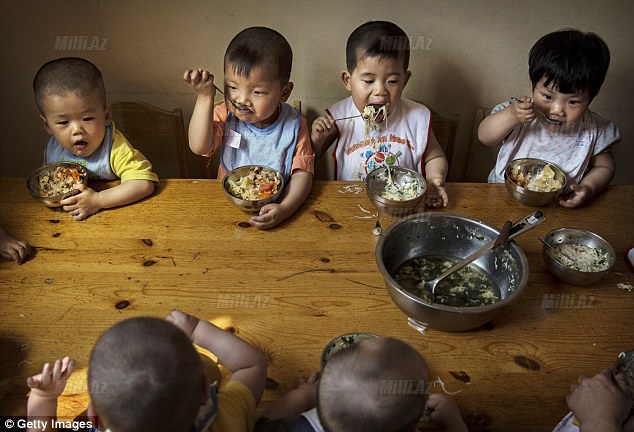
(258, 184)
(59, 181)
(543, 181)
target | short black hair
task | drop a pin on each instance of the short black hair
(144, 373)
(377, 38)
(68, 75)
(257, 46)
(571, 60)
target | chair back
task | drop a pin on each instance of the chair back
(444, 128)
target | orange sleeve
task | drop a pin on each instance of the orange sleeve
(304, 156)
(220, 119)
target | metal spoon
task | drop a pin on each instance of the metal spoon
(376, 114)
(507, 232)
(554, 249)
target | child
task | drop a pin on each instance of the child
(566, 69)
(377, 58)
(72, 100)
(144, 374)
(365, 388)
(12, 248)
(254, 124)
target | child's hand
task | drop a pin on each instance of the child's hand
(85, 204)
(50, 383)
(308, 388)
(202, 81)
(12, 248)
(436, 193)
(183, 321)
(524, 110)
(444, 412)
(601, 402)
(270, 216)
(578, 195)
(323, 131)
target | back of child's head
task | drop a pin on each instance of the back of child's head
(68, 75)
(377, 385)
(570, 60)
(255, 47)
(144, 374)
(381, 39)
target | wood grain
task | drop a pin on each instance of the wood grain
(292, 289)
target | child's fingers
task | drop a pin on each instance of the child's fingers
(313, 378)
(68, 367)
(45, 377)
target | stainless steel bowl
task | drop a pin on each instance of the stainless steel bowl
(249, 205)
(452, 237)
(576, 236)
(33, 182)
(342, 342)
(375, 187)
(533, 167)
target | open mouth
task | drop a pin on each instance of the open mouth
(80, 145)
(242, 109)
(377, 112)
(553, 122)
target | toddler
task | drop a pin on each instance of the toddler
(362, 389)
(254, 125)
(566, 69)
(377, 58)
(71, 96)
(12, 248)
(144, 374)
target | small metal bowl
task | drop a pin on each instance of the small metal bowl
(375, 187)
(533, 167)
(576, 236)
(249, 205)
(342, 342)
(54, 200)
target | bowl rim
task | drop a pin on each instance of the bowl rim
(372, 174)
(611, 252)
(47, 167)
(254, 202)
(322, 360)
(455, 309)
(521, 189)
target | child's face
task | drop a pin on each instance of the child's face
(255, 99)
(559, 108)
(376, 81)
(78, 122)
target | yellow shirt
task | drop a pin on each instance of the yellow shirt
(127, 162)
(236, 409)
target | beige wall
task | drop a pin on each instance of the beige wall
(476, 56)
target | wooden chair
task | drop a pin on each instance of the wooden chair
(479, 159)
(444, 128)
(160, 135)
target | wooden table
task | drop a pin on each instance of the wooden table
(292, 289)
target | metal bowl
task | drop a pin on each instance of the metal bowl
(249, 205)
(576, 236)
(375, 187)
(450, 236)
(533, 167)
(342, 342)
(54, 200)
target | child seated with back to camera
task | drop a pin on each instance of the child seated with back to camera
(153, 379)
(71, 97)
(255, 125)
(357, 393)
(566, 69)
(377, 60)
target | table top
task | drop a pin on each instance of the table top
(292, 289)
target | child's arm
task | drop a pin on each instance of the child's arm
(89, 202)
(444, 412)
(600, 403)
(593, 183)
(12, 248)
(45, 389)
(200, 130)
(296, 401)
(494, 128)
(436, 167)
(296, 193)
(243, 360)
(323, 134)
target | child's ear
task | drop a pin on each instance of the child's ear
(108, 114)
(286, 91)
(408, 75)
(48, 129)
(345, 78)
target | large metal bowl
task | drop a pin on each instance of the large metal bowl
(375, 187)
(533, 167)
(249, 205)
(32, 182)
(450, 236)
(576, 236)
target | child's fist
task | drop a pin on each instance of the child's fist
(202, 81)
(523, 109)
